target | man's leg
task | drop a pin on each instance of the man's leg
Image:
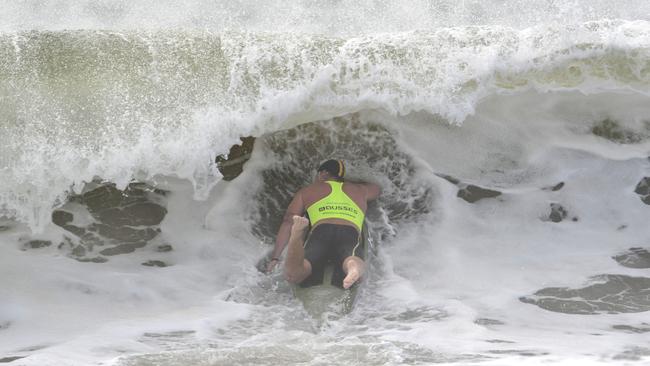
(353, 267)
(296, 267)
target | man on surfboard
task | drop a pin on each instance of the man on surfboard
(336, 212)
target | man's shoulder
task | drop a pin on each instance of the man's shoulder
(313, 185)
(311, 188)
(369, 190)
(355, 185)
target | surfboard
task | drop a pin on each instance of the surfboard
(328, 296)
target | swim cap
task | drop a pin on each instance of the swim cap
(334, 167)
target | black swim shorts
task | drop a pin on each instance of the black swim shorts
(330, 243)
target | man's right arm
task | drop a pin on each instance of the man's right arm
(372, 191)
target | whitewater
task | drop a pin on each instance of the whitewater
(148, 151)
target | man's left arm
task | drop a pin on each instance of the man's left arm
(295, 208)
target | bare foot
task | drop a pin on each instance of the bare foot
(352, 277)
(300, 225)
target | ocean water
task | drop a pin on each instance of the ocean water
(511, 139)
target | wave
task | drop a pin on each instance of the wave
(324, 17)
(88, 104)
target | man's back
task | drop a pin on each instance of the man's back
(360, 193)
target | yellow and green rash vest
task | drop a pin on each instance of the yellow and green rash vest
(336, 205)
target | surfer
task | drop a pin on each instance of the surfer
(336, 212)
